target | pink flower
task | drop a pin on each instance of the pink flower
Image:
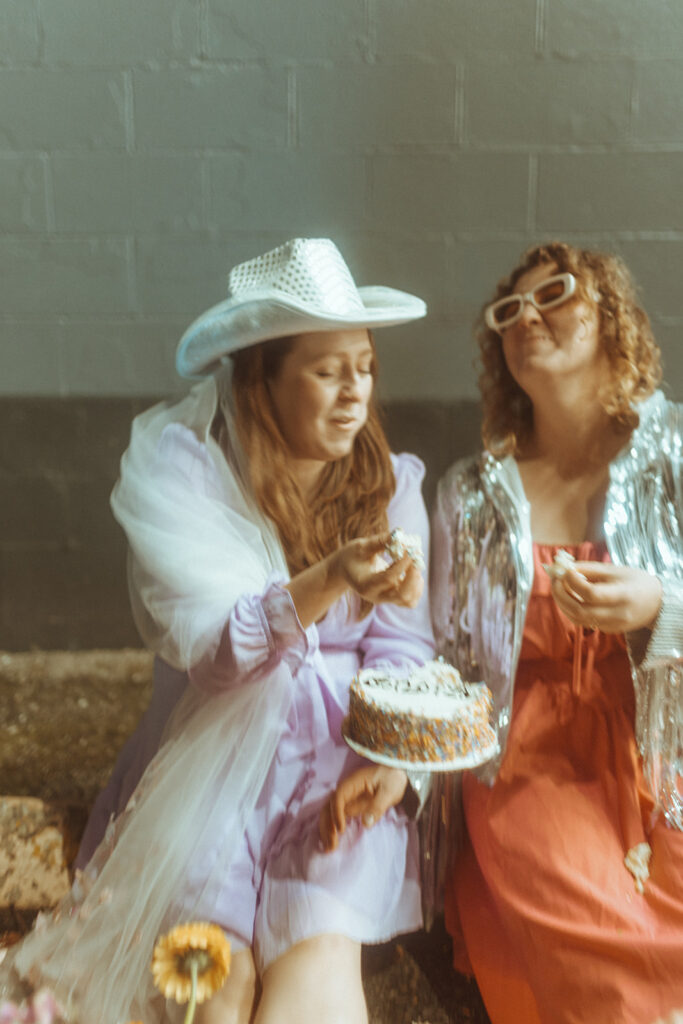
(46, 1009)
(42, 1008)
(10, 1013)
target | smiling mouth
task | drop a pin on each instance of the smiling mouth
(536, 336)
(345, 422)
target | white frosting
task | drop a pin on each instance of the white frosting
(402, 543)
(434, 691)
(564, 558)
(562, 561)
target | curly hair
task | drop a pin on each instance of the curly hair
(624, 328)
(353, 493)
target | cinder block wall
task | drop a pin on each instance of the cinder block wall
(146, 147)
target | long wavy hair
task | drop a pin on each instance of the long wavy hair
(353, 493)
(633, 357)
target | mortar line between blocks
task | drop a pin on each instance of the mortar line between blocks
(532, 194)
(460, 78)
(541, 26)
(129, 110)
(370, 32)
(49, 192)
(131, 273)
(292, 110)
(203, 14)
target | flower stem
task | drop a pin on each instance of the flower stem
(189, 1016)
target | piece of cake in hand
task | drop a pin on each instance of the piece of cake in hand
(427, 718)
(402, 543)
(562, 561)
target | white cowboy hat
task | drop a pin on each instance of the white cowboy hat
(303, 285)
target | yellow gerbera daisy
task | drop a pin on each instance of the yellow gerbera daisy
(191, 962)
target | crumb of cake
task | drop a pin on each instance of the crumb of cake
(564, 558)
(562, 561)
(637, 860)
(402, 543)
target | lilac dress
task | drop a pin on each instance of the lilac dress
(282, 888)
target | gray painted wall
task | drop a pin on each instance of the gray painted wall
(147, 146)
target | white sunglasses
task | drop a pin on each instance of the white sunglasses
(551, 292)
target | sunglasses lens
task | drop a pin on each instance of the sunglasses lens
(506, 310)
(550, 292)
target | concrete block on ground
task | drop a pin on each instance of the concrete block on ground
(35, 846)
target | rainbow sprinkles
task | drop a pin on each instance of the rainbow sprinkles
(426, 718)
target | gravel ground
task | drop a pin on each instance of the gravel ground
(64, 715)
(401, 994)
(63, 718)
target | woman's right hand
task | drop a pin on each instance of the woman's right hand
(361, 565)
(358, 566)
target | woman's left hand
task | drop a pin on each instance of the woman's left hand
(368, 793)
(612, 598)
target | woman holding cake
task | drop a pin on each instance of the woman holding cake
(258, 510)
(567, 887)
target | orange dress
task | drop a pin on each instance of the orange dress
(553, 925)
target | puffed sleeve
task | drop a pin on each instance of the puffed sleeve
(397, 635)
(262, 631)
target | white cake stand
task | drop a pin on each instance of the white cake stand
(471, 760)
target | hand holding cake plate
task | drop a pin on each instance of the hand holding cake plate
(427, 719)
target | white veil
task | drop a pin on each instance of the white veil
(192, 555)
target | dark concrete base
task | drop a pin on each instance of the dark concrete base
(62, 555)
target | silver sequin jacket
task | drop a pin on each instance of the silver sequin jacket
(482, 571)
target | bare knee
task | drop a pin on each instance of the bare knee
(234, 1003)
(317, 981)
